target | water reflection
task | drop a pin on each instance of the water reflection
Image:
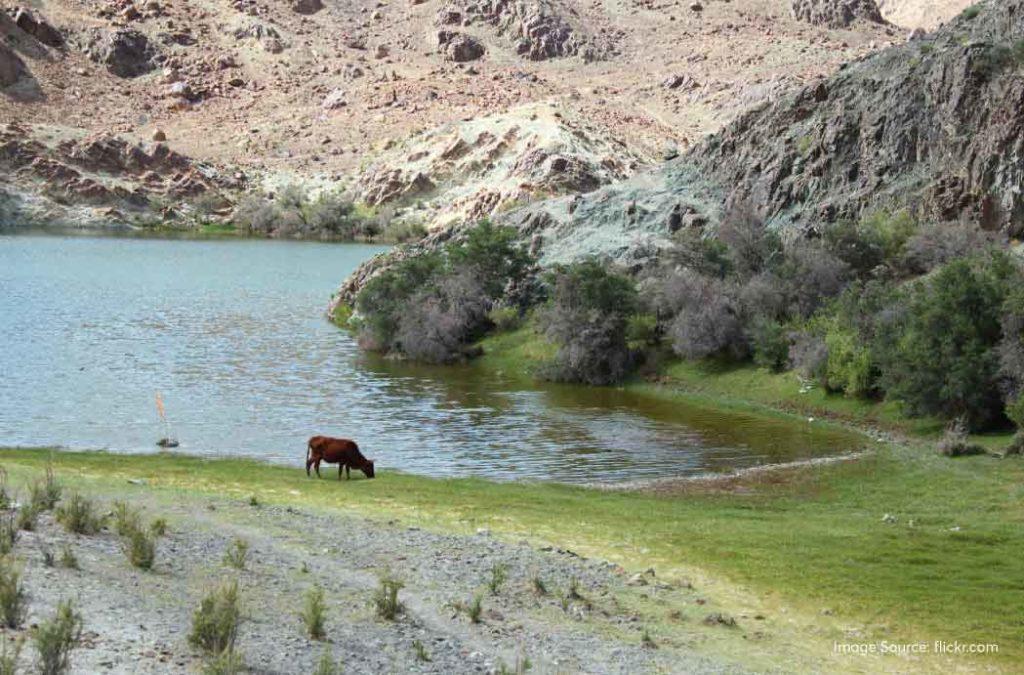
(232, 334)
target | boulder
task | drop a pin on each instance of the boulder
(307, 6)
(11, 66)
(459, 47)
(126, 53)
(835, 13)
(334, 100)
(38, 28)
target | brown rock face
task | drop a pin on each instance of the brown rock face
(835, 13)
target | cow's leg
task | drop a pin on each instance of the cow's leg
(348, 472)
(340, 467)
(309, 463)
(316, 466)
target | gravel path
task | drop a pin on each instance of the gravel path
(137, 622)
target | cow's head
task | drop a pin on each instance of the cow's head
(367, 468)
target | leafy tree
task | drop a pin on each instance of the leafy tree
(588, 316)
(940, 358)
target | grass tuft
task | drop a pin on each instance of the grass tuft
(421, 651)
(385, 599)
(8, 532)
(78, 515)
(55, 639)
(68, 559)
(140, 549)
(475, 609)
(228, 662)
(237, 553)
(215, 624)
(314, 613)
(44, 494)
(126, 519)
(539, 587)
(13, 603)
(499, 573)
(327, 665)
(10, 656)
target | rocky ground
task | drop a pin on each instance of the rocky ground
(137, 621)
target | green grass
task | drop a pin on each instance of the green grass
(814, 541)
(521, 353)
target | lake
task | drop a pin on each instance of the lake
(233, 335)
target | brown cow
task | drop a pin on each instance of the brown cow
(340, 451)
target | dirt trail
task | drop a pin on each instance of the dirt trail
(137, 622)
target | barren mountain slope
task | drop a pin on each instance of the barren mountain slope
(303, 89)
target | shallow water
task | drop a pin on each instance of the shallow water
(232, 334)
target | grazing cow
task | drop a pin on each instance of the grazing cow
(340, 451)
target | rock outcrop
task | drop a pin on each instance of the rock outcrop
(475, 168)
(105, 177)
(12, 68)
(538, 29)
(125, 52)
(835, 13)
(459, 47)
(37, 27)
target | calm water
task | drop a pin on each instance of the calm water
(232, 334)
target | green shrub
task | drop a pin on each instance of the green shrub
(126, 519)
(158, 527)
(505, 319)
(499, 573)
(418, 648)
(385, 599)
(68, 559)
(26, 518)
(587, 317)
(429, 306)
(642, 332)
(228, 662)
(770, 342)
(13, 604)
(55, 639)
(403, 231)
(78, 515)
(327, 665)
(9, 657)
(8, 532)
(539, 587)
(140, 548)
(237, 553)
(44, 494)
(313, 614)
(475, 609)
(215, 624)
(939, 357)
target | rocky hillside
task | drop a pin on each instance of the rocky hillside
(325, 90)
(468, 170)
(934, 126)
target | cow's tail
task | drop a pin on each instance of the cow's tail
(309, 453)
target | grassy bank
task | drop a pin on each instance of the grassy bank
(740, 385)
(807, 542)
